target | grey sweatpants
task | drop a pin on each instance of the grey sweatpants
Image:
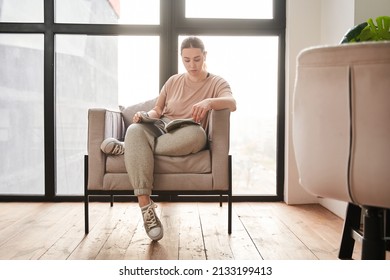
(143, 141)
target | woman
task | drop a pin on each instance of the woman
(189, 95)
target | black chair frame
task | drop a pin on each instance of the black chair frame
(373, 234)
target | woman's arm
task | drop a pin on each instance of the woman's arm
(200, 109)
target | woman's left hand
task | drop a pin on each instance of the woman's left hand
(200, 109)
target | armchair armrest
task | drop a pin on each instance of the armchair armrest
(219, 141)
(102, 124)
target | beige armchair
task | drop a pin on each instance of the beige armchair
(207, 172)
(341, 136)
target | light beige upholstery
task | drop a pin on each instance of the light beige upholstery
(206, 170)
(341, 122)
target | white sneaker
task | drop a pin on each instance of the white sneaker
(112, 146)
(152, 223)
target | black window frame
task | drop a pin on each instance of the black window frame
(172, 24)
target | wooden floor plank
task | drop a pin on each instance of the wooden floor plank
(309, 231)
(220, 245)
(16, 217)
(191, 245)
(91, 245)
(12, 212)
(215, 235)
(307, 222)
(38, 234)
(271, 237)
(70, 232)
(119, 240)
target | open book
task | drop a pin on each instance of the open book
(167, 127)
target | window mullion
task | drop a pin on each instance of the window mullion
(49, 101)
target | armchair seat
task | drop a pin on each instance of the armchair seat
(194, 163)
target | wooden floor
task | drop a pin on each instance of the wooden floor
(269, 231)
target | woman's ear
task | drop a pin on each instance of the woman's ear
(204, 55)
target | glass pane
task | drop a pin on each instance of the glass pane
(108, 12)
(229, 9)
(97, 71)
(21, 10)
(21, 114)
(249, 64)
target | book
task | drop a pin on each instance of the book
(167, 127)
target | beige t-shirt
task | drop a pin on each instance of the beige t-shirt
(179, 94)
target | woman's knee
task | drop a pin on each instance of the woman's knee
(137, 131)
(198, 135)
(183, 141)
(200, 139)
(134, 132)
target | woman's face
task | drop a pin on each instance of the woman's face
(193, 60)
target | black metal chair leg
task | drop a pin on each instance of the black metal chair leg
(387, 229)
(86, 214)
(229, 214)
(351, 223)
(86, 197)
(230, 195)
(112, 201)
(373, 242)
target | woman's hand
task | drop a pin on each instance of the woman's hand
(137, 118)
(200, 109)
(154, 113)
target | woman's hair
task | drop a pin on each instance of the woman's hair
(192, 42)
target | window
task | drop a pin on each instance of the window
(96, 71)
(229, 9)
(108, 12)
(21, 114)
(21, 10)
(59, 58)
(252, 74)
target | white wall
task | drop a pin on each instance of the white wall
(365, 9)
(303, 30)
(334, 24)
(311, 23)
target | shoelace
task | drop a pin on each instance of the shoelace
(150, 217)
(118, 150)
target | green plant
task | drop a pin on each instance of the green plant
(368, 31)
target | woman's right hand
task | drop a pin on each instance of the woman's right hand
(137, 117)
